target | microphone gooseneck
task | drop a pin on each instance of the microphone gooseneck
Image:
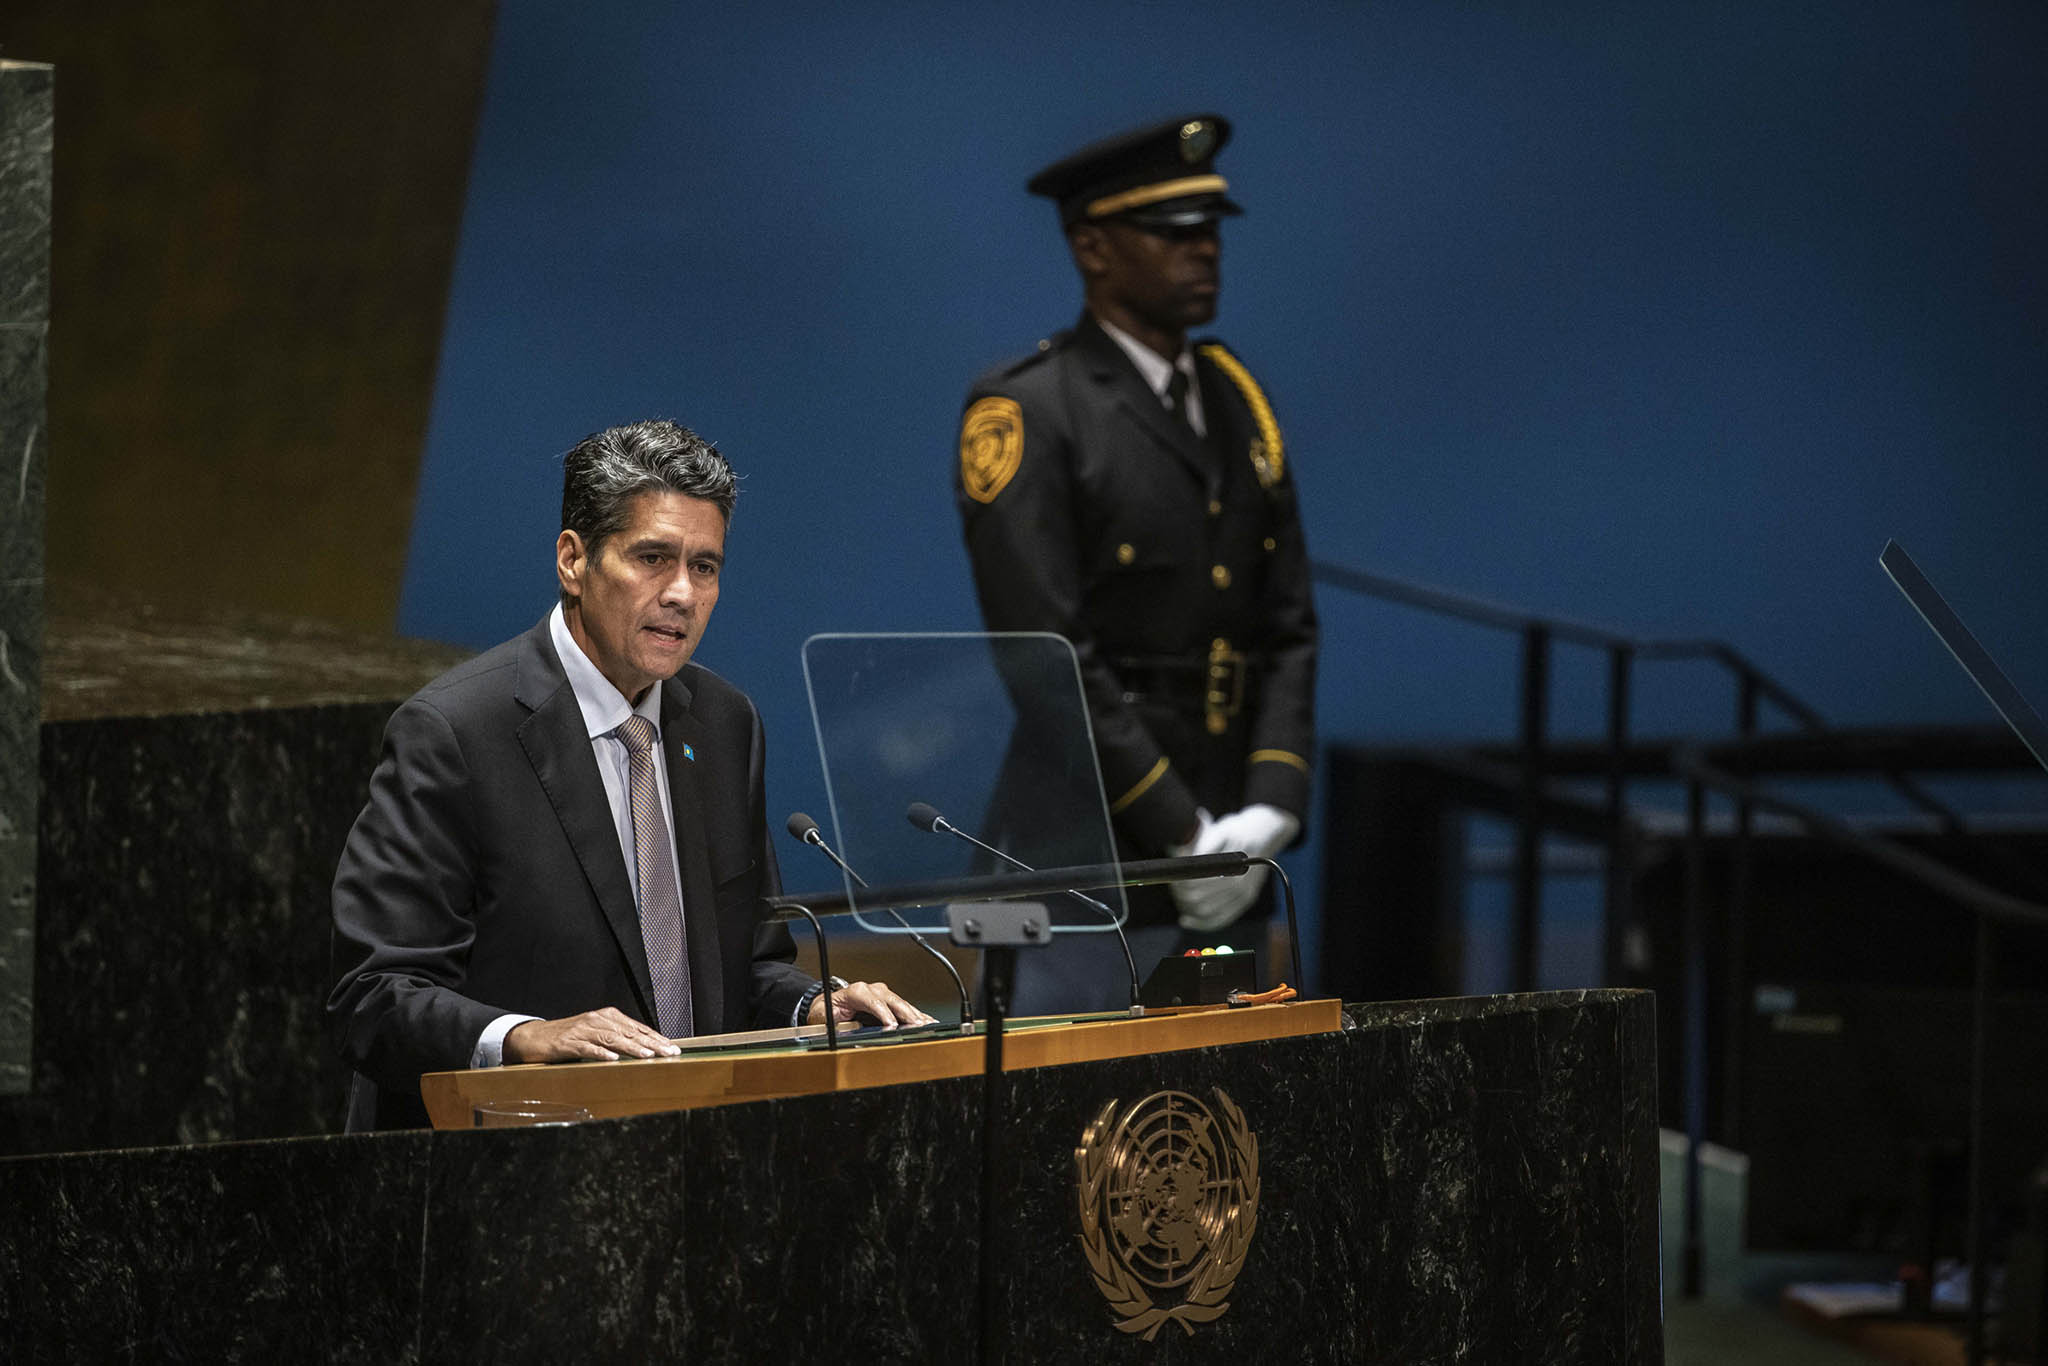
(925, 816)
(806, 830)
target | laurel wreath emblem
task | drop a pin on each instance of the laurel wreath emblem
(1105, 1146)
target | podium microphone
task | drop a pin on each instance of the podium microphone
(925, 816)
(805, 829)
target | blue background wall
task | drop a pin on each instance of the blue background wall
(1662, 317)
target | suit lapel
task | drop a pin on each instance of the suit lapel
(1113, 369)
(558, 747)
(682, 740)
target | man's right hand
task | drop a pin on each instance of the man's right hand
(594, 1036)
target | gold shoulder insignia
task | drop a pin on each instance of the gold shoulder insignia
(991, 447)
(1268, 454)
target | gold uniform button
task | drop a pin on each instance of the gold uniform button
(1219, 576)
(1219, 645)
(1215, 508)
(1271, 544)
(1126, 553)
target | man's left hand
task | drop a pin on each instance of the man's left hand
(872, 999)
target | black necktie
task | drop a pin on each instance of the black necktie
(1177, 397)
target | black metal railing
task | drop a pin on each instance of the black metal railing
(1988, 907)
(1539, 635)
(1753, 688)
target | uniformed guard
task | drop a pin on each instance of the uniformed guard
(1132, 491)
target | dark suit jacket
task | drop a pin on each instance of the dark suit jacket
(485, 875)
(1122, 531)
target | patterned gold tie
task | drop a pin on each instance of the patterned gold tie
(661, 909)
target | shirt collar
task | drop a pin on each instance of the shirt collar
(1153, 367)
(604, 707)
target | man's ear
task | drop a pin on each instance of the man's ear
(570, 563)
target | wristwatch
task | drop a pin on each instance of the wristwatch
(817, 989)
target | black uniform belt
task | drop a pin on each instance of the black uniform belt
(1220, 684)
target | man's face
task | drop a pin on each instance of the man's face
(641, 603)
(1168, 277)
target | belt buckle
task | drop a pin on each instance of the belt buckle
(1224, 695)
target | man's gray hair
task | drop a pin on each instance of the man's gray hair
(605, 471)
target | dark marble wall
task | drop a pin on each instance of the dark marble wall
(1443, 1181)
(198, 776)
(183, 936)
(306, 1250)
(26, 109)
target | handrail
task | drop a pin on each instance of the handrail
(1989, 905)
(1960, 888)
(1484, 612)
(1752, 685)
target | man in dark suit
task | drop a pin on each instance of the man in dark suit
(1132, 492)
(565, 850)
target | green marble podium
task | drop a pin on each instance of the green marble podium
(1454, 1180)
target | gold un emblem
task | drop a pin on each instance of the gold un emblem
(1169, 1196)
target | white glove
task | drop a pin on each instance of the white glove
(1207, 905)
(1259, 830)
(1206, 900)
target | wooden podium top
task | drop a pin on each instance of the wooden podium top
(642, 1086)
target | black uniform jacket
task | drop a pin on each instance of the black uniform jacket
(1092, 511)
(485, 875)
